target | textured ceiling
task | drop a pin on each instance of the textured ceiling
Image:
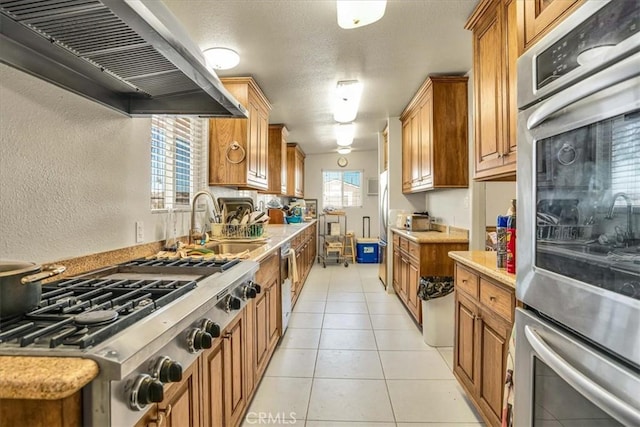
(296, 52)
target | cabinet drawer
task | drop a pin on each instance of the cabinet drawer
(414, 250)
(404, 244)
(396, 240)
(466, 281)
(497, 299)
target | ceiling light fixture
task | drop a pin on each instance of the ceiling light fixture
(344, 150)
(347, 100)
(356, 14)
(345, 133)
(221, 58)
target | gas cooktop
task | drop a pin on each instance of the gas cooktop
(84, 311)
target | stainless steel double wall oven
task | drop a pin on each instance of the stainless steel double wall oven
(578, 336)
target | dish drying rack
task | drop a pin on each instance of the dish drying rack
(237, 231)
(563, 233)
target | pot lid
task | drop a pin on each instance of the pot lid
(10, 268)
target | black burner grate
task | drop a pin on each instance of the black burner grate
(52, 324)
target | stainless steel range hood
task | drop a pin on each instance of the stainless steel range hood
(130, 55)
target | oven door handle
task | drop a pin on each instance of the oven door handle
(613, 75)
(611, 404)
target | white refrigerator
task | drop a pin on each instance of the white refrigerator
(384, 224)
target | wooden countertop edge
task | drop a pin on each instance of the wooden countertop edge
(44, 378)
(485, 263)
(452, 235)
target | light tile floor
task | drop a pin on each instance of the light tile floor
(352, 357)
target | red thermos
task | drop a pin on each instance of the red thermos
(511, 244)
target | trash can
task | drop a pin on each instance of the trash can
(438, 317)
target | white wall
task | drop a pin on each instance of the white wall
(364, 160)
(498, 199)
(75, 175)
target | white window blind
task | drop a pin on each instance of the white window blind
(625, 156)
(177, 151)
(342, 189)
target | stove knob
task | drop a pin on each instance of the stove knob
(211, 327)
(170, 372)
(254, 285)
(166, 370)
(145, 390)
(249, 292)
(198, 340)
(233, 303)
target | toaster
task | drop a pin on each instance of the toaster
(418, 222)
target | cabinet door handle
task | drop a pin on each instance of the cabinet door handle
(464, 280)
(161, 419)
(492, 299)
(500, 155)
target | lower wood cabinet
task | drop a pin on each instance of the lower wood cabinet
(65, 412)
(305, 246)
(484, 311)
(411, 260)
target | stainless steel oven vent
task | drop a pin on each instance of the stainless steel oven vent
(130, 55)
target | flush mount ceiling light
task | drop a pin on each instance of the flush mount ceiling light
(358, 13)
(221, 58)
(344, 150)
(347, 100)
(344, 134)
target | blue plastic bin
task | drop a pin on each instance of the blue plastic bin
(367, 251)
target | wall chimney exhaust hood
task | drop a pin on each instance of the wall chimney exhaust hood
(129, 55)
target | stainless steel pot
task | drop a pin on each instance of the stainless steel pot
(20, 287)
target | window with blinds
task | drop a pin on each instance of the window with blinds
(625, 156)
(342, 189)
(177, 153)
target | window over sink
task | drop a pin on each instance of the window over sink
(178, 147)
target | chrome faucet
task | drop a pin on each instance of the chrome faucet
(216, 211)
(629, 235)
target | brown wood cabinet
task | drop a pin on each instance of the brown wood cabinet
(305, 245)
(268, 309)
(295, 170)
(537, 17)
(484, 313)
(495, 52)
(65, 412)
(434, 136)
(277, 160)
(238, 148)
(412, 260)
(213, 390)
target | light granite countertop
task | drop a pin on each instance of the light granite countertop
(51, 378)
(44, 378)
(440, 234)
(485, 263)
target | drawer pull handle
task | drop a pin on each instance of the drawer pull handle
(492, 299)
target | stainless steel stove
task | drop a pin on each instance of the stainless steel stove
(141, 321)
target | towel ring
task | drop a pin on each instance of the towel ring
(233, 147)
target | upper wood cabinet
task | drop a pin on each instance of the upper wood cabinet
(238, 148)
(495, 52)
(277, 160)
(434, 136)
(295, 170)
(538, 17)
